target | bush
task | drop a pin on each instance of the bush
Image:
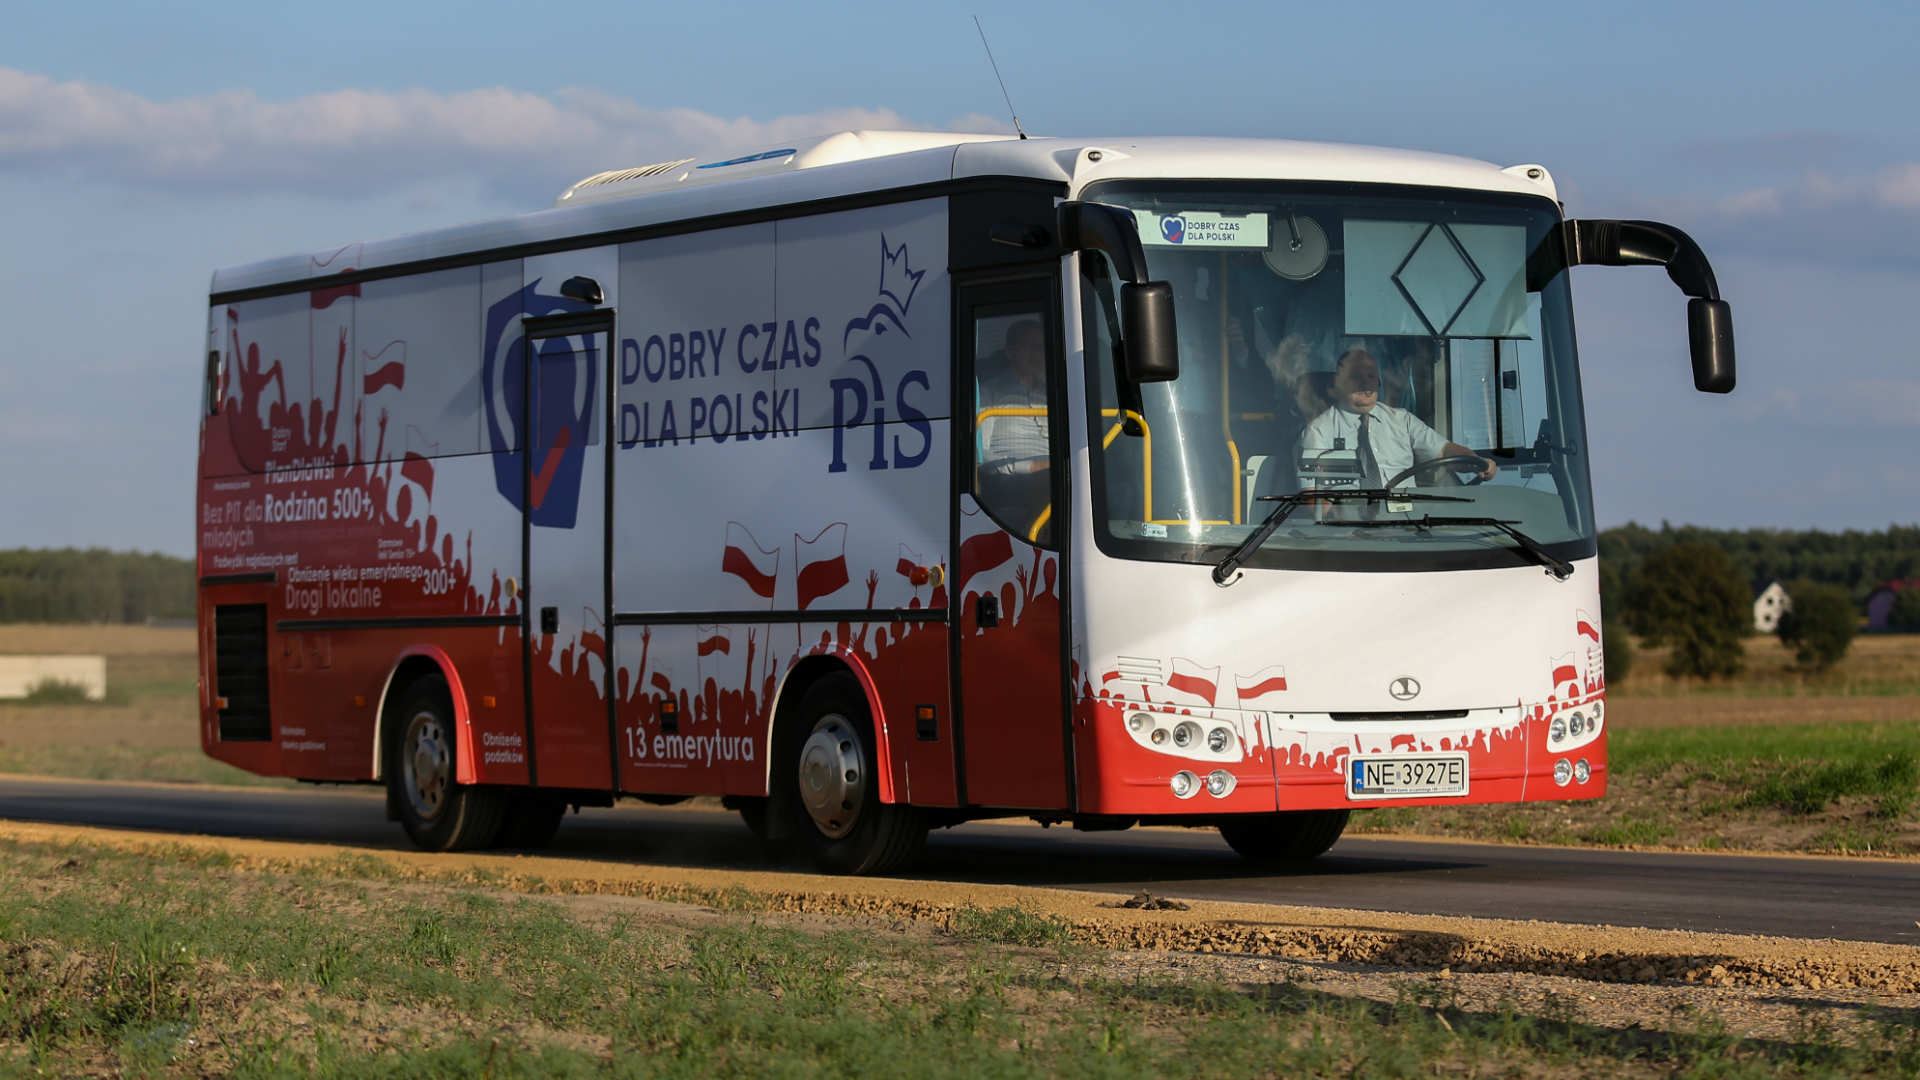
(1819, 625)
(56, 692)
(1905, 612)
(1690, 597)
(1617, 651)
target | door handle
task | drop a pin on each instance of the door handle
(986, 611)
(549, 620)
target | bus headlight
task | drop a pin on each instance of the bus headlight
(1577, 725)
(1217, 740)
(1559, 729)
(1562, 772)
(1219, 783)
(1159, 736)
(1185, 733)
(1581, 771)
(1139, 721)
(1185, 785)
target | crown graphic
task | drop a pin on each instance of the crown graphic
(898, 279)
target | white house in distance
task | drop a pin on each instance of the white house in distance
(1768, 606)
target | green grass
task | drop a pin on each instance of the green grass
(1837, 787)
(114, 762)
(266, 975)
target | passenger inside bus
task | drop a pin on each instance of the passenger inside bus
(1014, 480)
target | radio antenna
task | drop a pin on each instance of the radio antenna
(997, 78)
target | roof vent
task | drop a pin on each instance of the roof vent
(616, 175)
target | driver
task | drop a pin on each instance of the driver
(1386, 441)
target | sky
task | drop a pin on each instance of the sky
(142, 145)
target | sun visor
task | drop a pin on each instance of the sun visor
(1436, 279)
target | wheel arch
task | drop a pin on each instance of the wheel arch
(412, 663)
(825, 661)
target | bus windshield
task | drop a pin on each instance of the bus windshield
(1343, 337)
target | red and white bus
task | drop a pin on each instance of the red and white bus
(898, 479)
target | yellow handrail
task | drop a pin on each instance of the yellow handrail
(1146, 455)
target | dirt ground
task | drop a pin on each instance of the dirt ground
(1612, 976)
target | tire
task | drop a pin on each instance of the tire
(530, 821)
(832, 802)
(438, 813)
(1290, 836)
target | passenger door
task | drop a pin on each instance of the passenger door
(1010, 586)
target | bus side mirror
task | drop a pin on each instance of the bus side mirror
(1146, 321)
(1146, 307)
(1605, 242)
(1710, 334)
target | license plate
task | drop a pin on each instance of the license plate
(1407, 776)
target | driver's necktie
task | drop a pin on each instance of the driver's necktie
(1369, 465)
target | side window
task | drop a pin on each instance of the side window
(1012, 448)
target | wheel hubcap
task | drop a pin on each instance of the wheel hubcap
(426, 763)
(833, 777)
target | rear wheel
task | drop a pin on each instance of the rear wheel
(439, 813)
(1292, 836)
(832, 794)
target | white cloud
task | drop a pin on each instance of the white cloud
(354, 141)
(1895, 187)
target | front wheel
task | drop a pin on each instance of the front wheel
(438, 813)
(1291, 836)
(833, 801)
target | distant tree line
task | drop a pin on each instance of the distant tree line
(1692, 589)
(1857, 562)
(93, 585)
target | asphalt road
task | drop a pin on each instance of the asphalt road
(1868, 900)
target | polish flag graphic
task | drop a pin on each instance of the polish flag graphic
(419, 470)
(662, 683)
(1194, 681)
(748, 561)
(593, 638)
(822, 563)
(909, 567)
(712, 639)
(378, 371)
(979, 554)
(1566, 677)
(1586, 626)
(1268, 680)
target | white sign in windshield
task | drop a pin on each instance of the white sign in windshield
(1202, 229)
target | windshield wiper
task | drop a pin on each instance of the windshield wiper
(1287, 504)
(1560, 568)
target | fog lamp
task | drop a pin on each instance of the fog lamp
(1185, 785)
(1562, 772)
(1219, 783)
(1581, 771)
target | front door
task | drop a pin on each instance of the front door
(1009, 582)
(566, 588)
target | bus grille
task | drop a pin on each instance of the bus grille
(240, 671)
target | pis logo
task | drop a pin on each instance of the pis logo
(1173, 228)
(553, 426)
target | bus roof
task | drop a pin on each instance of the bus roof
(867, 162)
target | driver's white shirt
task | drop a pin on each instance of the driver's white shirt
(1398, 437)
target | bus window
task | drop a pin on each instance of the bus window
(1012, 475)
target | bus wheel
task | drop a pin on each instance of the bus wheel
(438, 813)
(835, 802)
(531, 820)
(1291, 836)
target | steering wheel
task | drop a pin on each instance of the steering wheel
(1459, 462)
